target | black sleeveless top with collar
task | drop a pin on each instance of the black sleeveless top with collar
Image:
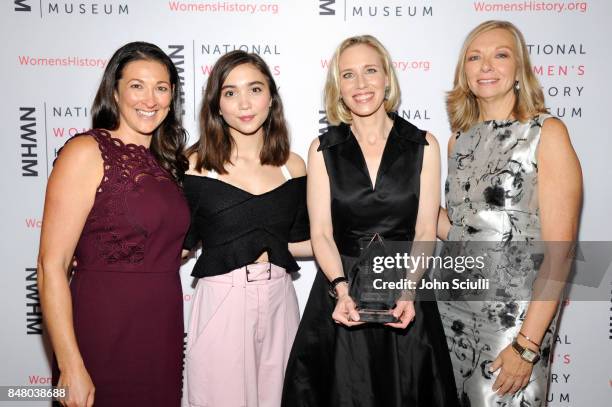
(390, 206)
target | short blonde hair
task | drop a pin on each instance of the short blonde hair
(462, 104)
(336, 110)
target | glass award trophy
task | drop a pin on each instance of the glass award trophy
(373, 302)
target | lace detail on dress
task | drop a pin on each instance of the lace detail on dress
(125, 163)
(115, 234)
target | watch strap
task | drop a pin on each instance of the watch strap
(334, 283)
(522, 351)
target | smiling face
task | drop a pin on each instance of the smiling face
(144, 96)
(362, 80)
(491, 65)
(245, 100)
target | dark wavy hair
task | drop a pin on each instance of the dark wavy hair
(169, 139)
(213, 149)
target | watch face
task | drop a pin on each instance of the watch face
(529, 354)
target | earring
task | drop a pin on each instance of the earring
(386, 93)
(517, 86)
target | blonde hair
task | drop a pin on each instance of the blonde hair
(336, 110)
(462, 104)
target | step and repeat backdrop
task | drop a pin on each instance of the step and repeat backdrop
(54, 53)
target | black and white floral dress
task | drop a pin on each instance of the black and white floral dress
(491, 196)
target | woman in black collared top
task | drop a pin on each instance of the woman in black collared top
(371, 173)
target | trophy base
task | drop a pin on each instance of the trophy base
(377, 316)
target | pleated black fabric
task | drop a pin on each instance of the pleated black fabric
(370, 365)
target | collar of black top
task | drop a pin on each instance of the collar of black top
(402, 129)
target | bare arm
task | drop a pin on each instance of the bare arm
(425, 228)
(297, 168)
(321, 234)
(560, 197)
(444, 223)
(319, 211)
(301, 249)
(70, 195)
(429, 195)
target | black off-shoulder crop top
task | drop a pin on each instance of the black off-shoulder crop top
(236, 227)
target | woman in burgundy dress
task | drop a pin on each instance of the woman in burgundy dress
(113, 201)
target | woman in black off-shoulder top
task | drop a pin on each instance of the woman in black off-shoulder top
(247, 194)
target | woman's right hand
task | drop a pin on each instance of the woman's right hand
(80, 387)
(345, 312)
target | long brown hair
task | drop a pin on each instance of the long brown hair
(462, 105)
(213, 149)
(169, 139)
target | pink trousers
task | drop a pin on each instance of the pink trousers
(241, 330)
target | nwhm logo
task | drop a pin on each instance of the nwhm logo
(177, 55)
(29, 141)
(33, 310)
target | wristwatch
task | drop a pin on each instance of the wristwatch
(334, 283)
(526, 354)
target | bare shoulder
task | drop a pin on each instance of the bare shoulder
(554, 128)
(296, 165)
(80, 152)
(554, 137)
(314, 155)
(431, 155)
(79, 167)
(451, 143)
(314, 145)
(432, 151)
(433, 142)
(555, 153)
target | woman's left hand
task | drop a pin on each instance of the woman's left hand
(404, 311)
(514, 374)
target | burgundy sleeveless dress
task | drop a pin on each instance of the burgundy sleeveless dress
(126, 290)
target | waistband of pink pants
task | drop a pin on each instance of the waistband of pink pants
(251, 274)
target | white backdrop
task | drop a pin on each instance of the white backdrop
(53, 57)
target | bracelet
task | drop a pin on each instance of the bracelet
(529, 339)
(334, 283)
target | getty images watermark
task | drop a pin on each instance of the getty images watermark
(491, 271)
(412, 264)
